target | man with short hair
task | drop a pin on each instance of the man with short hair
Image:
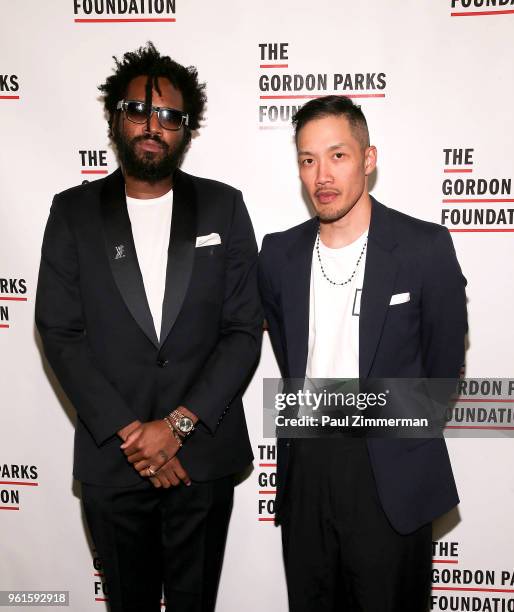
(360, 291)
(148, 309)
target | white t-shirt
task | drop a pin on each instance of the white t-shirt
(334, 311)
(151, 225)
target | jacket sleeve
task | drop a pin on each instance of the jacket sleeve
(444, 312)
(60, 321)
(270, 302)
(229, 367)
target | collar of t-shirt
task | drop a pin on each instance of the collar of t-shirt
(151, 225)
(333, 349)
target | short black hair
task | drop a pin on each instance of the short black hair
(147, 61)
(333, 105)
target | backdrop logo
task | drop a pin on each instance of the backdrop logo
(120, 11)
(12, 290)
(286, 90)
(468, 8)
(99, 586)
(9, 87)
(482, 404)
(460, 588)
(13, 478)
(267, 482)
(93, 162)
(483, 204)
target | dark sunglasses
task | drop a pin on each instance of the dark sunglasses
(140, 112)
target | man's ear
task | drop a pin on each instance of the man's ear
(370, 160)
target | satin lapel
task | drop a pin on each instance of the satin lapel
(379, 277)
(296, 298)
(181, 250)
(121, 253)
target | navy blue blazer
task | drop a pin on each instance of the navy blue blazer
(423, 337)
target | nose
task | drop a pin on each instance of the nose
(323, 175)
(152, 124)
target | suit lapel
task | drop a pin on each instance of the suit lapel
(121, 253)
(379, 277)
(181, 250)
(297, 280)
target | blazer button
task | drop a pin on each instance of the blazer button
(162, 363)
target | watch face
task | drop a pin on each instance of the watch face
(185, 424)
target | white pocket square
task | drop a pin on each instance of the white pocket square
(399, 298)
(209, 240)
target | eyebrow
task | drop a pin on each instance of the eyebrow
(339, 145)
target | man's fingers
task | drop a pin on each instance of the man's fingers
(131, 438)
(156, 482)
(140, 466)
(180, 471)
(168, 471)
(133, 450)
(170, 476)
(137, 457)
(157, 464)
(164, 480)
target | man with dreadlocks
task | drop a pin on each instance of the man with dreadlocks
(148, 309)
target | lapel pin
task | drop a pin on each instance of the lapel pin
(120, 251)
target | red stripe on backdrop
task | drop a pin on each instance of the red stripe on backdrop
(140, 20)
(482, 428)
(481, 230)
(481, 13)
(474, 589)
(490, 200)
(13, 299)
(305, 96)
(19, 482)
(483, 400)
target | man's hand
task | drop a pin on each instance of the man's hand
(171, 474)
(151, 444)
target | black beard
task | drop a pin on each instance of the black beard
(145, 167)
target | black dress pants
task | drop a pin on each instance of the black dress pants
(340, 552)
(147, 537)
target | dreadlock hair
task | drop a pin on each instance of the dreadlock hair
(148, 61)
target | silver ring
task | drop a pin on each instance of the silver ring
(150, 470)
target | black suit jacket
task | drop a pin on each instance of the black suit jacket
(423, 338)
(98, 333)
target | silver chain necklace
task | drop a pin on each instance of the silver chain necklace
(349, 280)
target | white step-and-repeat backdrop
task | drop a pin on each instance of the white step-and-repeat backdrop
(435, 80)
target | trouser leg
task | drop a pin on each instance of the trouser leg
(147, 537)
(195, 523)
(387, 571)
(340, 551)
(125, 527)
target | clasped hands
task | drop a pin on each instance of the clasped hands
(152, 445)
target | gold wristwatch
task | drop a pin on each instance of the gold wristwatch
(182, 424)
